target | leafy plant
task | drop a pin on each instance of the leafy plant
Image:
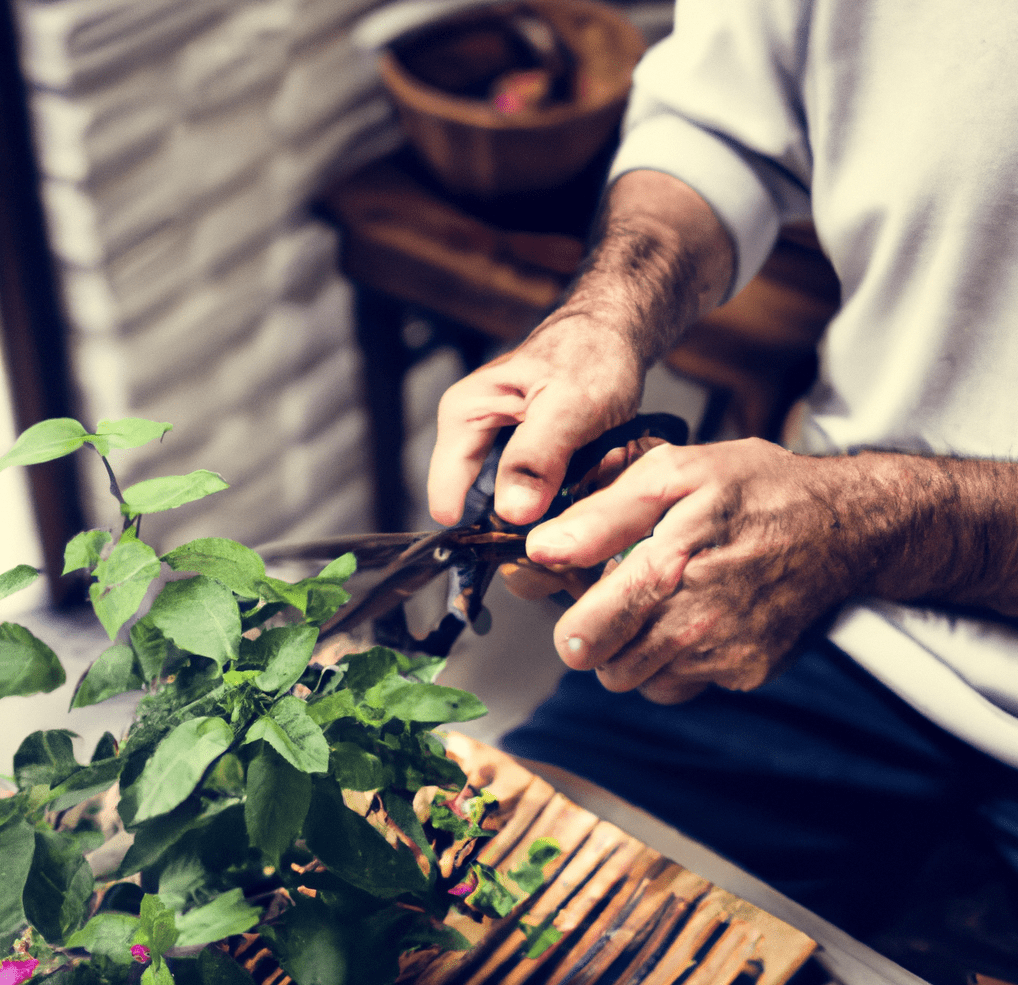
(257, 788)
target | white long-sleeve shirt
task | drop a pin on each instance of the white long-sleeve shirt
(893, 124)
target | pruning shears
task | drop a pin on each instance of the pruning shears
(472, 551)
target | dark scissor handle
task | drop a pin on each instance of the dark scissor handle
(481, 495)
(668, 427)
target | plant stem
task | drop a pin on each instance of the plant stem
(115, 490)
(114, 485)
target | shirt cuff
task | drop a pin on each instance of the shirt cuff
(725, 179)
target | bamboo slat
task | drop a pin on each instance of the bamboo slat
(627, 914)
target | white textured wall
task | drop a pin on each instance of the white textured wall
(180, 141)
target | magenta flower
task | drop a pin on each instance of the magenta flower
(466, 887)
(140, 953)
(15, 972)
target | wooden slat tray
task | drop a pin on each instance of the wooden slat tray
(628, 915)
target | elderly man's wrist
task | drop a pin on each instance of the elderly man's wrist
(932, 529)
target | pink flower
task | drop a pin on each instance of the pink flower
(140, 953)
(15, 972)
(466, 887)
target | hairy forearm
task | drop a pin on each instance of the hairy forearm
(660, 261)
(916, 528)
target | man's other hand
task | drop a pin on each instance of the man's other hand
(569, 382)
(740, 551)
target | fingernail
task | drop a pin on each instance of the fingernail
(549, 542)
(515, 503)
(575, 650)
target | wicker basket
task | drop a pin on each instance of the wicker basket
(475, 149)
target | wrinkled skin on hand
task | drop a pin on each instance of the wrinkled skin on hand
(570, 381)
(745, 553)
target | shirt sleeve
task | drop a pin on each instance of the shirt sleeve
(718, 104)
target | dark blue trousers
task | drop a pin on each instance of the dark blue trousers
(823, 783)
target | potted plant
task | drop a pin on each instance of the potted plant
(256, 789)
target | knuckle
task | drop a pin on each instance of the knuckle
(655, 575)
(746, 669)
(660, 471)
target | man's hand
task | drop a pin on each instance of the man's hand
(570, 381)
(742, 555)
(744, 546)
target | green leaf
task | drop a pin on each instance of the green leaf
(342, 568)
(226, 776)
(123, 579)
(27, 665)
(87, 782)
(58, 887)
(350, 847)
(423, 668)
(375, 944)
(237, 567)
(201, 616)
(178, 764)
(155, 837)
(129, 432)
(428, 933)
(339, 704)
(467, 823)
(16, 579)
(45, 758)
(318, 597)
(226, 915)
(491, 896)
(105, 748)
(362, 671)
(113, 672)
(210, 967)
(45, 441)
(540, 936)
(325, 590)
(357, 769)
(426, 764)
(157, 974)
(530, 875)
(151, 647)
(432, 704)
(289, 730)
(278, 797)
(85, 550)
(257, 615)
(324, 600)
(312, 946)
(158, 925)
(17, 846)
(276, 590)
(401, 812)
(284, 652)
(170, 491)
(108, 934)
(198, 691)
